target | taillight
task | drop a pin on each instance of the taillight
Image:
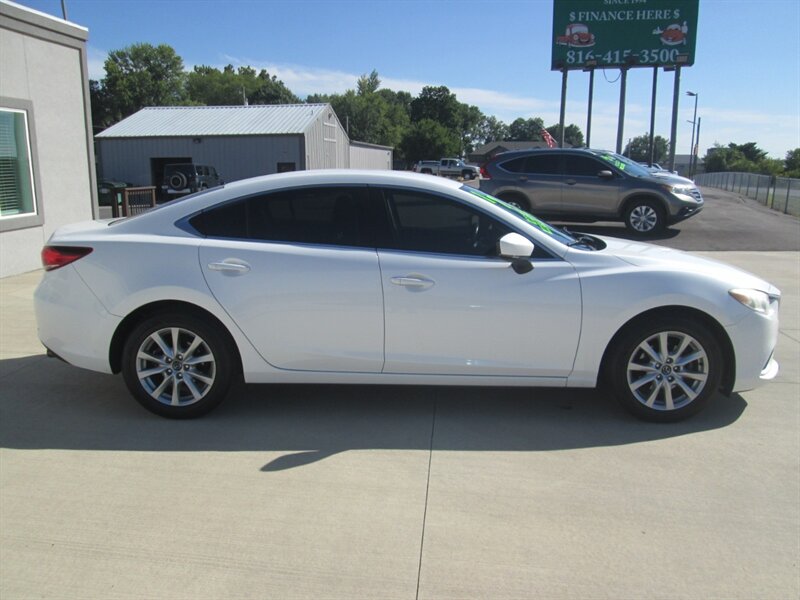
(55, 257)
(485, 172)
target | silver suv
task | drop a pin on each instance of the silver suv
(579, 184)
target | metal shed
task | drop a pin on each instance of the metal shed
(239, 141)
(371, 156)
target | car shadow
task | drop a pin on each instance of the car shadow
(47, 404)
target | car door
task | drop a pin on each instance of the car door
(453, 308)
(538, 177)
(585, 191)
(293, 271)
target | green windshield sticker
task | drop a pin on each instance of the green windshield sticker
(541, 225)
(614, 161)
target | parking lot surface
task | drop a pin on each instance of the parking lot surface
(405, 492)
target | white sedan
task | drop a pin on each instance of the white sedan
(377, 277)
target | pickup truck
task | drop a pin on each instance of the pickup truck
(447, 167)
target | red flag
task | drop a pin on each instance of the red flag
(551, 143)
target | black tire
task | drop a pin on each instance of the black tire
(178, 181)
(468, 175)
(645, 216)
(665, 386)
(171, 383)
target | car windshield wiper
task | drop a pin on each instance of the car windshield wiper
(581, 240)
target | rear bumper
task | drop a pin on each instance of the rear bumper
(71, 322)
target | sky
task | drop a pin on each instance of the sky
(492, 54)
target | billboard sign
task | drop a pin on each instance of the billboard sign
(619, 33)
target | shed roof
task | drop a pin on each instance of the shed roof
(184, 121)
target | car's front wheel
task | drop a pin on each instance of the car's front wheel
(666, 369)
(645, 216)
(177, 365)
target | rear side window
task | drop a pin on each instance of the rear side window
(516, 165)
(543, 164)
(537, 164)
(334, 215)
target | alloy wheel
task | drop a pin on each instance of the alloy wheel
(667, 371)
(175, 366)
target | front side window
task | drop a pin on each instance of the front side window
(428, 223)
(17, 191)
(583, 166)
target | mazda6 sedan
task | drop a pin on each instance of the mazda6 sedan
(393, 278)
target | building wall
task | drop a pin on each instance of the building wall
(43, 66)
(366, 156)
(234, 157)
(327, 144)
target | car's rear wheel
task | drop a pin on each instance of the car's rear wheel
(644, 216)
(177, 365)
(666, 369)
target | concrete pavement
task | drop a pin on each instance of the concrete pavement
(396, 492)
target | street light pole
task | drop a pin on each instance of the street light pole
(694, 125)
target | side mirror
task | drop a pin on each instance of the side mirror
(518, 250)
(605, 175)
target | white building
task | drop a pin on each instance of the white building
(47, 176)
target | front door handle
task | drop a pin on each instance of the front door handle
(227, 266)
(412, 281)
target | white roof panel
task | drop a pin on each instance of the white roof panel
(183, 121)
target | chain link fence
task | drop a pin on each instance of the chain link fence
(778, 193)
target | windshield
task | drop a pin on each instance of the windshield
(551, 230)
(623, 163)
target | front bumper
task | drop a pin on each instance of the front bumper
(754, 339)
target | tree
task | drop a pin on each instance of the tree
(742, 158)
(791, 165)
(437, 104)
(638, 148)
(138, 76)
(572, 134)
(211, 87)
(492, 130)
(525, 130)
(368, 84)
(428, 138)
(369, 117)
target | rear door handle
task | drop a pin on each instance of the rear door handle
(411, 281)
(570, 181)
(228, 266)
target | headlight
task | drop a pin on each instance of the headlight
(755, 299)
(680, 190)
